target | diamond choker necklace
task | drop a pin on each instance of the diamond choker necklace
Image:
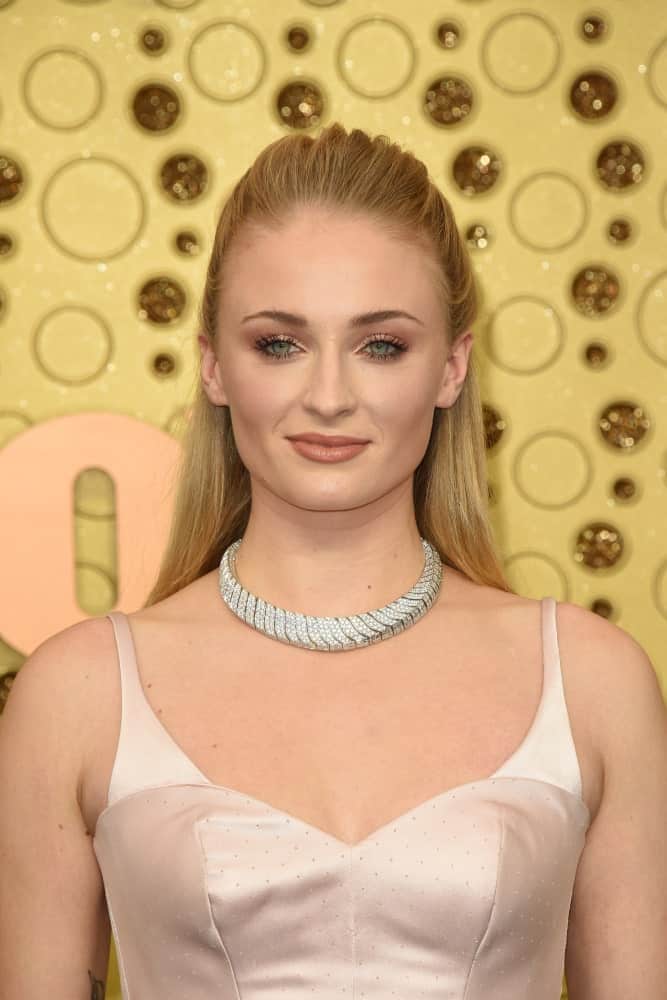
(331, 634)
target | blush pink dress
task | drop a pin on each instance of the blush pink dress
(216, 895)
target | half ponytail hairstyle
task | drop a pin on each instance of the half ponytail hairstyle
(349, 171)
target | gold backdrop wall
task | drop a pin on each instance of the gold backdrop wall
(123, 124)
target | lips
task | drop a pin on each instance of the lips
(317, 452)
(331, 441)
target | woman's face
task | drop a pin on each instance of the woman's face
(321, 374)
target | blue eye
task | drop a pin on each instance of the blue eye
(263, 343)
(396, 345)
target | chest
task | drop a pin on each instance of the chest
(343, 742)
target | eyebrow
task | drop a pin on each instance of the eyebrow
(361, 319)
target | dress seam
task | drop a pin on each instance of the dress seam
(493, 906)
(207, 897)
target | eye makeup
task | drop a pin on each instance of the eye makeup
(399, 347)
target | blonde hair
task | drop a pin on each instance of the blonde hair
(344, 171)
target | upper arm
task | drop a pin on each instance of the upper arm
(54, 925)
(617, 933)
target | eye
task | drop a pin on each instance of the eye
(264, 342)
(398, 347)
(380, 338)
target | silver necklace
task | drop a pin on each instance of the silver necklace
(331, 634)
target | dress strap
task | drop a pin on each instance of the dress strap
(548, 752)
(146, 754)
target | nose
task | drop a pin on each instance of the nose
(329, 383)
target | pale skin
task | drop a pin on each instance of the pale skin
(350, 741)
(353, 520)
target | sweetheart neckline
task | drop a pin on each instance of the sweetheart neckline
(444, 794)
(203, 780)
(206, 782)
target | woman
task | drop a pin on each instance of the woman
(448, 808)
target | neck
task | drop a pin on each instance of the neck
(331, 572)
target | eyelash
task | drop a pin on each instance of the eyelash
(263, 342)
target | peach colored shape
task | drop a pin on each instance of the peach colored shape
(38, 470)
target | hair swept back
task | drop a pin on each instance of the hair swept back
(353, 171)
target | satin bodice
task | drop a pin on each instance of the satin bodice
(213, 893)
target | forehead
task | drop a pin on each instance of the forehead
(326, 256)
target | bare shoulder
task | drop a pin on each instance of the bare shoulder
(607, 650)
(69, 661)
(617, 668)
(66, 679)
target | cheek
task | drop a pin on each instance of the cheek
(408, 408)
(258, 407)
(407, 422)
(254, 394)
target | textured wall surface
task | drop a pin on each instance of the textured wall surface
(123, 123)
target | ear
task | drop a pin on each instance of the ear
(456, 368)
(210, 372)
